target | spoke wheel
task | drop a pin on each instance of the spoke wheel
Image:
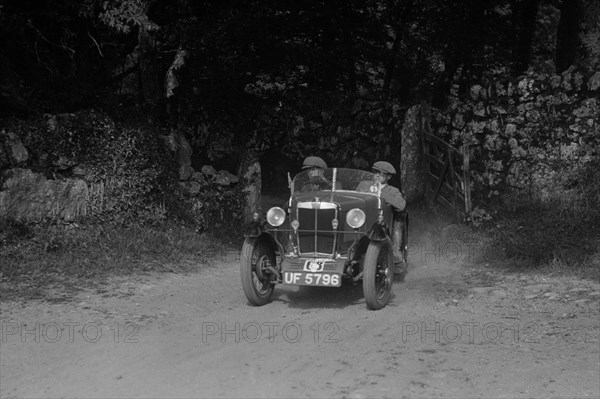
(255, 260)
(378, 274)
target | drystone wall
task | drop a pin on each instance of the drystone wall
(73, 166)
(537, 133)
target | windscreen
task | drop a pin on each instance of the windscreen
(323, 179)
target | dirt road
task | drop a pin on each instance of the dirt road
(453, 329)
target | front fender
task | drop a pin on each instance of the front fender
(255, 228)
(268, 239)
(379, 232)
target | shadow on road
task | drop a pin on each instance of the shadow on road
(319, 297)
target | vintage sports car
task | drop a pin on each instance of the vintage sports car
(327, 234)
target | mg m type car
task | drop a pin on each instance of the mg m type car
(327, 234)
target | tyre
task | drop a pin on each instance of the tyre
(256, 259)
(378, 272)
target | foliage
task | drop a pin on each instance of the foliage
(402, 50)
(138, 176)
(123, 15)
(275, 75)
(211, 201)
(565, 227)
(130, 175)
(55, 58)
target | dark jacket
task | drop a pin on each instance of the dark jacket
(390, 194)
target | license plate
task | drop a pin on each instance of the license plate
(314, 279)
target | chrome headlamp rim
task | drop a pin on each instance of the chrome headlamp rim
(276, 216)
(356, 218)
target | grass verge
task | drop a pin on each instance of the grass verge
(556, 232)
(34, 258)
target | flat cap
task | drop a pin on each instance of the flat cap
(314, 162)
(384, 167)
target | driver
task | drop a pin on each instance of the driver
(315, 169)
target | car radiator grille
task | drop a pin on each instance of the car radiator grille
(315, 231)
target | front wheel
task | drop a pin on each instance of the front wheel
(378, 274)
(256, 259)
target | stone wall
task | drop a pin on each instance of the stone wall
(536, 133)
(30, 197)
(71, 166)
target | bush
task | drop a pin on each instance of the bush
(129, 171)
(132, 177)
(211, 202)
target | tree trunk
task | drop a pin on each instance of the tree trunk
(329, 45)
(249, 173)
(349, 48)
(591, 32)
(184, 157)
(567, 35)
(412, 174)
(466, 45)
(401, 18)
(524, 20)
(149, 77)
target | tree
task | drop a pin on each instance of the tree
(568, 41)
(590, 35)
(524, 22)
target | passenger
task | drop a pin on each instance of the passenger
(383, 172)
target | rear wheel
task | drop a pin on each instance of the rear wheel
(256, 259)
(378, 274)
